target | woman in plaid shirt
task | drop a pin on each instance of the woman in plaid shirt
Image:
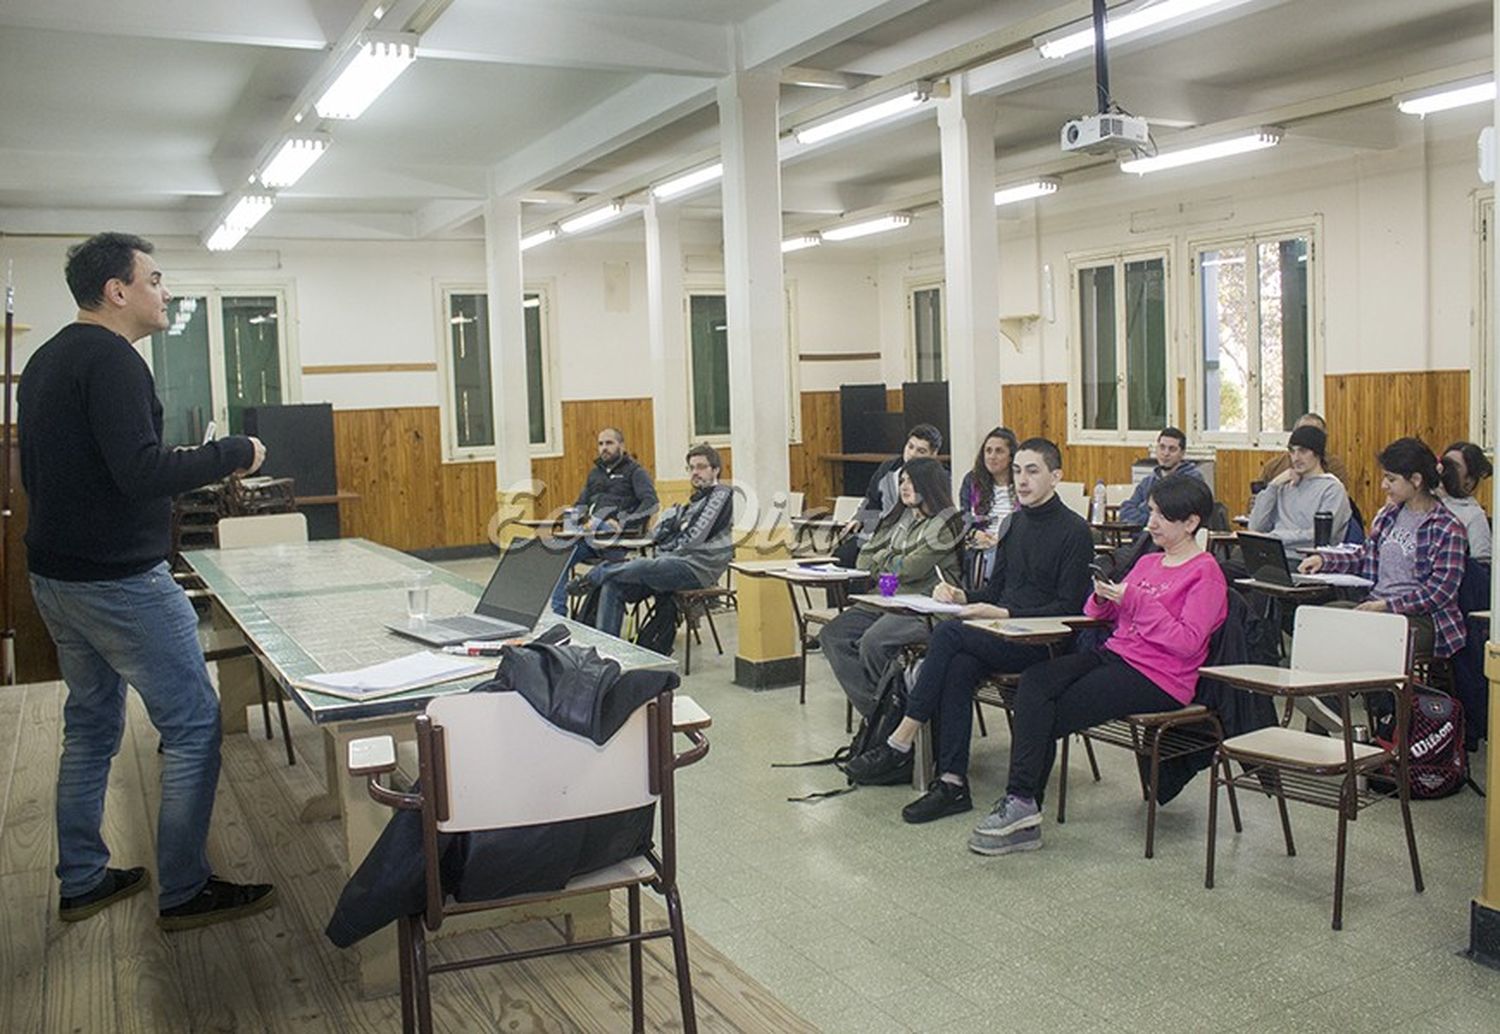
(1415, 552)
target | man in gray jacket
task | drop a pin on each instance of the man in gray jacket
(1286, 507)
(1171, 460)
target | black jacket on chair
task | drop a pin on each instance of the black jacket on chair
(574, 689)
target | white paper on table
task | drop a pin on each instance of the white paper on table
(924, 604)
(418, 669)
(1350, 581)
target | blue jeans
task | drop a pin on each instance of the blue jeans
(582, 553)
(140, 630)
(634, 580)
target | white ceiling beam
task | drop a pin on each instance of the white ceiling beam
(147, 175)
(543, 36)
(791, 30)
(267, 23)
(445, 215)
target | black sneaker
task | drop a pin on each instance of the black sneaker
(883, 765)
(117, 885)
(580, 586)
(218, 901)
(942, 800)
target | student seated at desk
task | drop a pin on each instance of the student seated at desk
(1462, 468)
(986, 498)
(694, 545)
(617, 496)
(1165, 612)
(914, 543)
(1041, 569)
(1288, 505)
(1282, 461)
(1415, 553)
(1171, 461)
(883, 496)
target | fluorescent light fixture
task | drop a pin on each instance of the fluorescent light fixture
(886, 109)
(1266, 136)
(1454, 95)
(1142, 16)
(540, 237)
(378, 60)
(247, 211)
(688, 181)
(292, 159)
(806, 240)
(849, 231)
(589, 220)
(1025, 191)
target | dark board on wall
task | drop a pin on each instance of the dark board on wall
(866, 427)
(299, 445)
(926, 402)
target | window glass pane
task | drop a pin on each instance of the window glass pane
(469, 360)
(1224, 312)
(180, 367)
(1283, 332)
(710, 345)
(927, 314)
(252, 355)
(1146, 343)
(1096, 323)
(536, 392)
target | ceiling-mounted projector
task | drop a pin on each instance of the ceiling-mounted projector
(1105, 134)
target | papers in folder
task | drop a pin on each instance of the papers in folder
(1351, 581)
(923, 604)
(390, 677)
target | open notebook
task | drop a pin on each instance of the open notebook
(390, 677)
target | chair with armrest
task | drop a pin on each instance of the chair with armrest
(489, 761)
(1333, 649)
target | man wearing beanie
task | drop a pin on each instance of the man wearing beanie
(1281, 462)
(1286, 507)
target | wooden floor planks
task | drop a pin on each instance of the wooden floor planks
(276, 971)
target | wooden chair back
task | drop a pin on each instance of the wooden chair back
(263, 530)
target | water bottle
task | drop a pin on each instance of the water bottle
(1098, 508)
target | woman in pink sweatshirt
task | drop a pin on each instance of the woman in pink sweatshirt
(1164, 613)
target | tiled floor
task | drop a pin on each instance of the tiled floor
(863, 923)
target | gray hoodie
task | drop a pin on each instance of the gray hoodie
(1287, 510)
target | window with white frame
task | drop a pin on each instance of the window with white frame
(708, 365)
(924, 303)
(1119, 387)
(469, 420)
(1254, 311)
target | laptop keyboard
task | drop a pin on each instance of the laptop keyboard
(466, 625)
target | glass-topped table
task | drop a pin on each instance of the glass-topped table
(323, 606)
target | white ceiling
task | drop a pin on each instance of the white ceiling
(147, 116)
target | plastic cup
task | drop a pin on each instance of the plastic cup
(888, 583)
(418, 598)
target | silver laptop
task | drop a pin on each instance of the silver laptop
(1266, 561)
(515, 597)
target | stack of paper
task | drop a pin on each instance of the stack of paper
(397, 676)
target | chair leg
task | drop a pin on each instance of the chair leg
(802, 670)
(1286, 821)
(423, 992)
(1234, 804)
(286, 729)
(1338, 865)
(1151, 794)
(265, 699)
(1062, 783)
(848, 718)
(1213, 823)
(979, 717)
(680, 961)
(713, 630)
(1088, 748)
(403, 950)
(1411, 837)
(637, 993)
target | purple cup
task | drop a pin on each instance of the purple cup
(889, 583)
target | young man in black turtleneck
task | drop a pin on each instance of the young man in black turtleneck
(618, 497)
(1041, 569)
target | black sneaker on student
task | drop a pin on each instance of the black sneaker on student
(117, 885)
(943, 799)
(218, 901)
(882, 765)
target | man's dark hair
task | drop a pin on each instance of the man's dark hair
(1046, 448)
(1408, 456)
(619, 434)
(100, 259)
(708, 452)
(929, 434)
(1173, 432)
(1180, 498)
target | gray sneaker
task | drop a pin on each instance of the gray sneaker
(1009, 816)
(1028, 839)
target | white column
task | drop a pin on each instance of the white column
(670, 394)
(971, 266)
(755, 296)
(503, 282)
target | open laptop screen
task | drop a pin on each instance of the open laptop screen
(523, 582)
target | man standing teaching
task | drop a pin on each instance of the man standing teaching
(100, 486)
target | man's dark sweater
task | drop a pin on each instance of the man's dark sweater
(620, 492)
(98, 481)
(1042, 563)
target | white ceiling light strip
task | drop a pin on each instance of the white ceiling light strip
(1454, 95)
(540, 237)
(892, 107)
(1025, 191)
(590, 220)
(1256, 141)
(1120, 22)
(688, 181)
(378, 60)
(801, 242)
(240, 220)
(295, 156)
(867, 227)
